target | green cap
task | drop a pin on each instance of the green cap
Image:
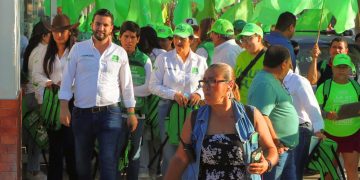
(223, 27)
(183, 30)
(343, 59)
(239, 25)
(164, 31)
(251, 29)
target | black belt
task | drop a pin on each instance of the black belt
(96, 109)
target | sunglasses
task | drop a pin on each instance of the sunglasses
(210, 82)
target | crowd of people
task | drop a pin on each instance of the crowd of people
(253, 115)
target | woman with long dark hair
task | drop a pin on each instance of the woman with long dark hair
(35, 50)
(48, 74)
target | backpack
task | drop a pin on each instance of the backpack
(327, 87)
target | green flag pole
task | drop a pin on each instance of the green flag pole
(321, 15)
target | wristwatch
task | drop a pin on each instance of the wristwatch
(269, 165)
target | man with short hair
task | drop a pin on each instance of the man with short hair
(226, 49)
(309, 114)
(284, 31)
(98, 71)
(140, 67)
(319, 72)
(272, 99)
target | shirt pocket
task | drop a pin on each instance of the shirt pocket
(173, 75)
(88, 64)
(111, 67)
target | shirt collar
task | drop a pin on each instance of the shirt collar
(222, 45)
(288, 76)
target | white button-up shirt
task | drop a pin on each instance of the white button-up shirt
(227, 52)
(171, 75)
(304, 100)
(97, 78)
(39, 76)
(37, 54)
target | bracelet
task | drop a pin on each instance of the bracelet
(269, 165)
(131, 113)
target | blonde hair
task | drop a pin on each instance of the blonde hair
(228, 73)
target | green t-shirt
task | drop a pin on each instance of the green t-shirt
(272, 99)
(339, 94)
(242, 61)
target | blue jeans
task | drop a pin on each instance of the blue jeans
(302, 149)
(169, 149)
(132, 171)
(285, 169)
(105, 126)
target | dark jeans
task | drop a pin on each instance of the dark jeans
(285, 169)
(302, 149)
(61, 144)
(132, 172)
(106, 126)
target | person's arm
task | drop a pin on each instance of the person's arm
(65, 92)
(313, 74)
(38, 73)
(127, 92)
(143, 90)
(156, 85)
(263, 128)
(180, 160)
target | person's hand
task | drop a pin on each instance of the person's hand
(320, 135)
(194, 99)
(132, 122)
(332, 115)
(280, 147)
(65, 117)
(48, 84)
(315, 53)
(259, 168)
(180, 99)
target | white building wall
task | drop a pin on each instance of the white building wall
(9, 48)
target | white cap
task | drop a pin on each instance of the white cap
(191, 21)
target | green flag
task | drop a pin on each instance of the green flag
(207, 12)
(242, 10)
(309, 20)
(156, 10)
(344, 11)
(117, 8)
(219, 4)
(268, 11)
(182, 11)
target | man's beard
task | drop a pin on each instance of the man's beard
(100, 38)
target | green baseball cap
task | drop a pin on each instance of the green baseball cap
(183, 30)
(251, 29)
(164, 31)
(239, 25)
(223, 27)
(343, 59)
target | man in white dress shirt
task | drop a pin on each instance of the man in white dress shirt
(99, 72)
(226, 49)
(310, 120)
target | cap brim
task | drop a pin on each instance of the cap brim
(246, 34)
(183, 35)
(163, 36)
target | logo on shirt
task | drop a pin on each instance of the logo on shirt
(195, 70)
(115, 58)
(87, 55)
